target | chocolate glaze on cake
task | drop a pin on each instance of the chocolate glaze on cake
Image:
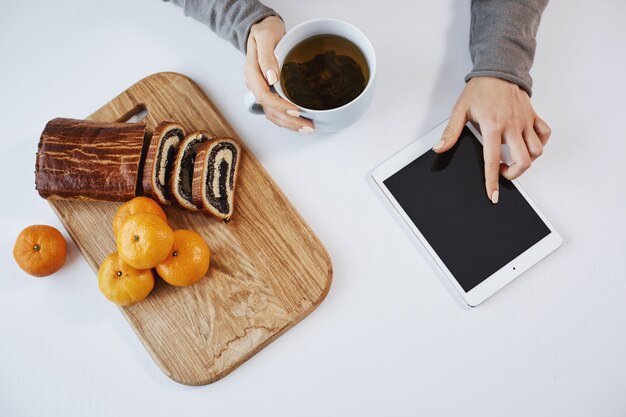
(89, 160)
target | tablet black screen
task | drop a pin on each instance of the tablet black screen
(445, 197)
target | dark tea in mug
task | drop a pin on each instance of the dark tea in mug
(324, 72)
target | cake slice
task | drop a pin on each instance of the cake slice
(182, 169)
(159, 160)
(215, 176)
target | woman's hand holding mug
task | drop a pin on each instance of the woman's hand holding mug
(268, 47)
(261, 71)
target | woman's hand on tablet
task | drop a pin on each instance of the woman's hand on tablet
(261, 71)
(505, 115)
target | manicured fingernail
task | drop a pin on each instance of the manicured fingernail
(439, 145)
(294, 113)
(494, 197)
(306, 130)
(271, 77)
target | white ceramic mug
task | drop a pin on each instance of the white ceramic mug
(330, 120)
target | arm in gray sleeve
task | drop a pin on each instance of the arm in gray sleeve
(230, 19)
(502, 39)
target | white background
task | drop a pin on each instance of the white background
(389, 339)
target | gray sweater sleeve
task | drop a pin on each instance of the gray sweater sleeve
(502, 39)
(230, 19)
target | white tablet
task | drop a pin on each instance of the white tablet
(479, 246)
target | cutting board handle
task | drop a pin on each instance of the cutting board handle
(137, 114)
(125, 108)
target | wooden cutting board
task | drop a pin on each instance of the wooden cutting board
(268, 269)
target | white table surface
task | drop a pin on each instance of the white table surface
(389, 339)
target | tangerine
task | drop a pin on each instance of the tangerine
(123, 284)
(188, 260)
(144, 240)
(40, 250)
(134, 206)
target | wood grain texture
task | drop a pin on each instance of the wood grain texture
(88, 160)
(268, 269)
